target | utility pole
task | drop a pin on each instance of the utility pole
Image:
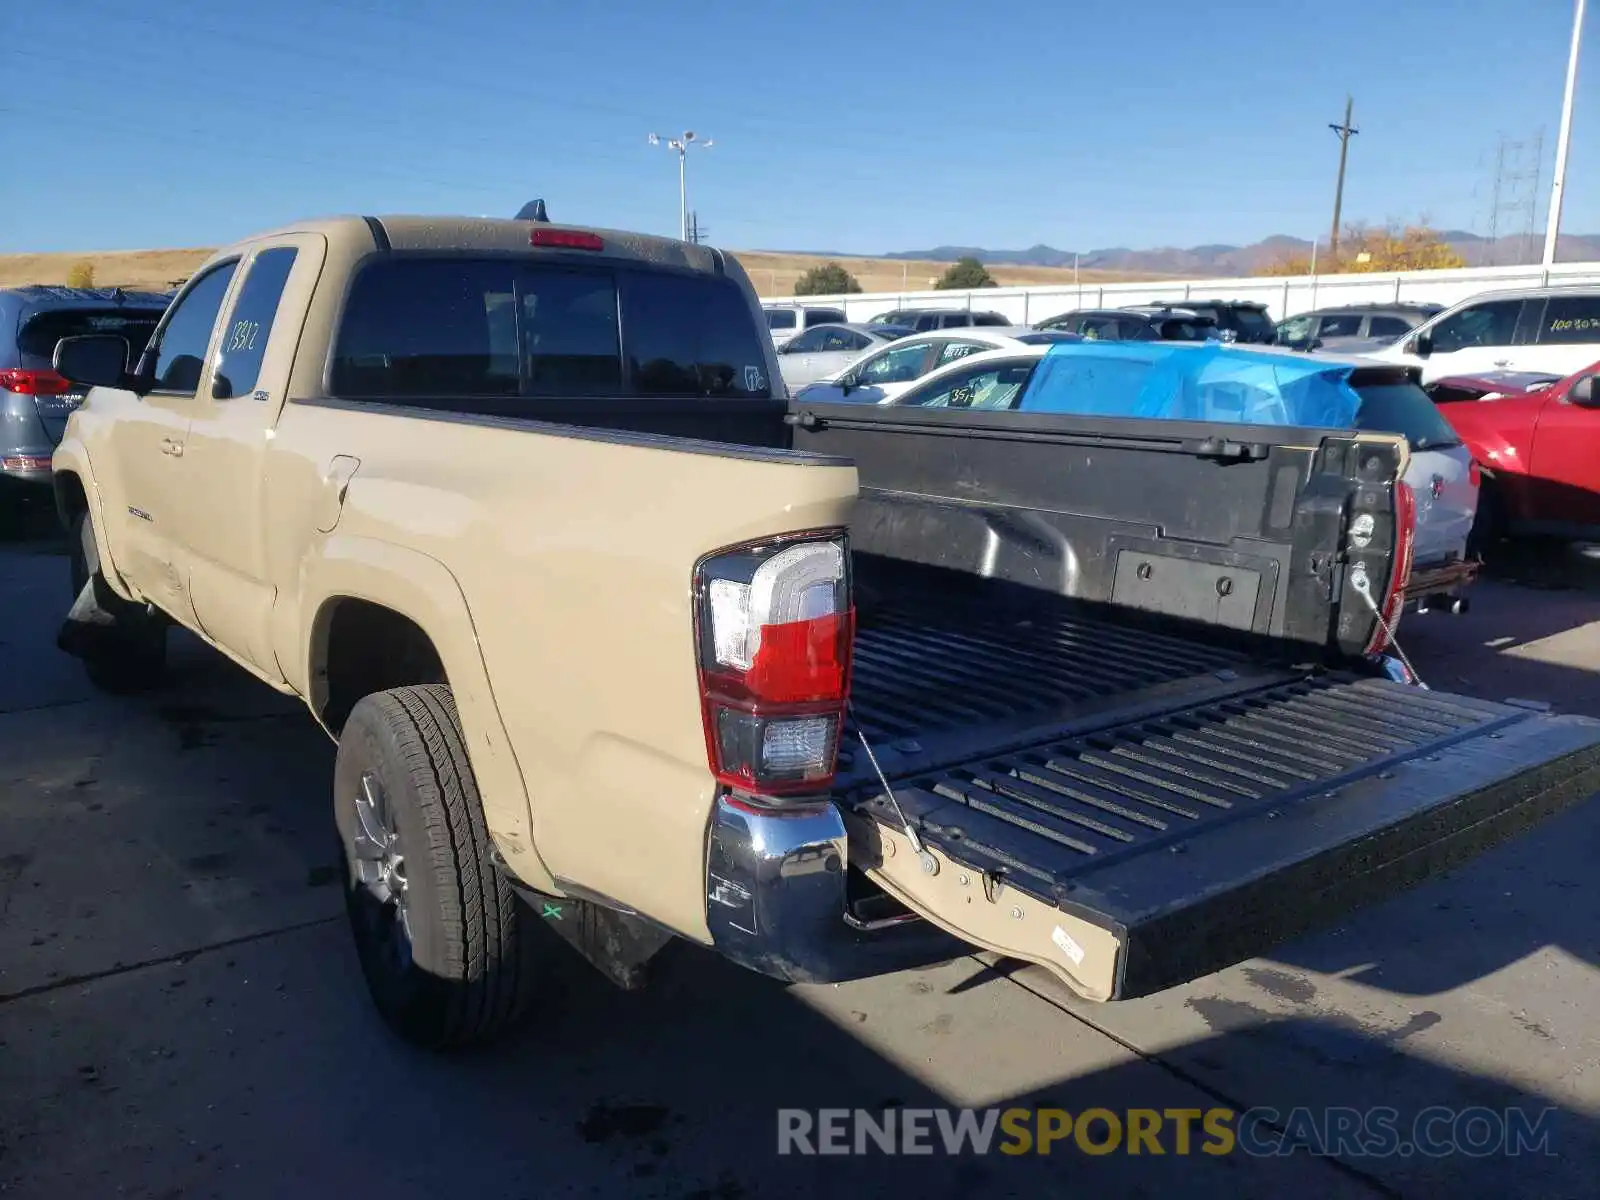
(681, 144)
(1552, 229)
(1344, 130)
(697, 234)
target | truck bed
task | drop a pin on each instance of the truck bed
(1193, 803)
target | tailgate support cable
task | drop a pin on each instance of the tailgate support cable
(929, 863)
(1364, 590)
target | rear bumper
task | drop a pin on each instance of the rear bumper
(1441, 579)
(776, 901)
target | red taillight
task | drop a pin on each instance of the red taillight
(774, 629)
(1474, 473)
(1394, 600)
(567, 239)
(35, 383)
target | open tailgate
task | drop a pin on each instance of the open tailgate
(1129, 856)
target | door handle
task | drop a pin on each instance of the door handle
(172, 446)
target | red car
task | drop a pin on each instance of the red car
(1537, 440)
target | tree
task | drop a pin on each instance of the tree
(81, 274)
(965, 274)
(1392, 248)
(826, 279)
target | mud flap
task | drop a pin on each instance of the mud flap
(89, 626)
(1132, 859)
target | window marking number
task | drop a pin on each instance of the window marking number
(244, 336)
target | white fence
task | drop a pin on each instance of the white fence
(1283, 295)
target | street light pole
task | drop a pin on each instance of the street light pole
(681, 145)
(1552, 228)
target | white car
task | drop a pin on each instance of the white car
(1553, 331)
(1442, 476)
(785, 320)
(824, 350)
(880, 375)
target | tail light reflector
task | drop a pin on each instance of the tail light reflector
(34, 383)
(1394, 600)
(774, 627)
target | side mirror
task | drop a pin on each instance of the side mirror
(221, 388)
(1314, 344)
(93, 360)
(1421, 345)
(847, 382)
(1582, 393)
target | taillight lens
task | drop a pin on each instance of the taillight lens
(774, 627)
(1474, 473)
(35, 383)
(566, 239)
(1394, 600)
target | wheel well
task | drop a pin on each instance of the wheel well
(71, 499)
(367, 648)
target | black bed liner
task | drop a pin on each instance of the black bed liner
(1197, 804)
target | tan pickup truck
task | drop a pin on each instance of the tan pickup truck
(616, 640)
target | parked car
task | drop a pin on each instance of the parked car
(619, 645)
(1551, 330)
(1238, 385)
(785, 320)
(1243, 321)
(1353, 328)
(825, 350)
(34, 400)
(878, 377)
(1538, 441)
(1130, 325)
(924, 319)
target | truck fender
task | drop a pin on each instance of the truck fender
(422, 589)
(71, 461)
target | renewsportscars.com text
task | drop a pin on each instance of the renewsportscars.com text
(1343, 1132)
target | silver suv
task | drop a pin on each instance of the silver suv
(1353, 328)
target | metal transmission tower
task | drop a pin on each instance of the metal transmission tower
(1345, 130)
(681, 144)
(697, 231)
(1514, 199)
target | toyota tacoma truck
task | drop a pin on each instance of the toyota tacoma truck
(617, 641)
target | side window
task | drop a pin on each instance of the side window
(859, 341)
(989, 387)
(927, 321)
(244, 337)
(805, 343)
(1099, 329)
(955, 350)
(823, 316)
(991, 319)
(958, 320)
(1571, 319)
(835, 341)
(899, 365)
(1295, 329)
(177, 354)
(1340, 325)
(1489, 324)
(780, 318)
(1387, 327)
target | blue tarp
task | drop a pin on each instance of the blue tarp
(1211, 382)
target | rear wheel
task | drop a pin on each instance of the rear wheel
(443, 939)
(123, 645)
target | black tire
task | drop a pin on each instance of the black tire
(448, 957)
(1489, 524)
(129, 654)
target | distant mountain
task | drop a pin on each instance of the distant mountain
(1222, 260)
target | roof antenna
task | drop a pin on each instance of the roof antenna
(533, 211)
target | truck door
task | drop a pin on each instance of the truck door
(148, 444)
(222, 535)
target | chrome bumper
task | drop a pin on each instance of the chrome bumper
(776, 900)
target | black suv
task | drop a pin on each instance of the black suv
(1135, 325)
(1238, 320)
(923, 319)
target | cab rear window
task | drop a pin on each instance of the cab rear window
(504, 328)
(1404, 408)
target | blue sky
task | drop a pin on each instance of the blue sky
(859, 127)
